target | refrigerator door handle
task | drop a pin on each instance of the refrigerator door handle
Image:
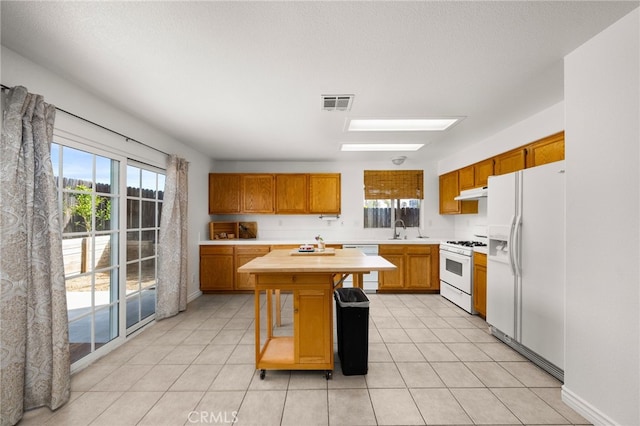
(517, 234)
(510, 245)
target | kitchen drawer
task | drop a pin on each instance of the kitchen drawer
(216, 249)
(418, 249)
(391, 249)
(252, 250)
(458, 297)
(287, 279)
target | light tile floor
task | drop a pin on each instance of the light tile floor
(429, 363)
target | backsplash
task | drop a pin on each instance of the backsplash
(465, 223)
(306, 227)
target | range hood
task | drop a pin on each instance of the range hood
(472, 194)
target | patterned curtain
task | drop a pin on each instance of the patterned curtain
(34, 339)
(172, 251)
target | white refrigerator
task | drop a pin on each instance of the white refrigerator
(526, 263)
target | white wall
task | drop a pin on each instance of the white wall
(602, 87)
(17, 70)
(349, 226)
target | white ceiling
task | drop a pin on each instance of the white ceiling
(243, 80)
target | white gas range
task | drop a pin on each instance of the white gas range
(456, 272)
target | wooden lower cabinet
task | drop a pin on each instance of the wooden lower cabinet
(217, 271)
(480, 284)
(417, 267)
(388, 280)
(244, 254)
(312, 326)
(219, 265)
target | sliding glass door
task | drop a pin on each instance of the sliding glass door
(89, 202)
(110, 208)
(145, 191)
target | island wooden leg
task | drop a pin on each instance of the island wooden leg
(257, 324)
(278, 308)
(269, 315)
(357, 280)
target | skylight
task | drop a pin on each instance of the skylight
(381, 146)
(400, 125)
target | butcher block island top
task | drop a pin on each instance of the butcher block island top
(312, 280)
(345, 261)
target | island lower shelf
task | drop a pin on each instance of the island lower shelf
(311, 346)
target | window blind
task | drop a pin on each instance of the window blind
(394, 184)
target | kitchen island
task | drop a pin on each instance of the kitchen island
(311, 279)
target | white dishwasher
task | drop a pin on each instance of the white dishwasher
(370, 280)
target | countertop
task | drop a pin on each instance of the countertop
(270, 242)
(344, 261)
(482, 250)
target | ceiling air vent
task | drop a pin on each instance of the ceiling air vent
(337, 102)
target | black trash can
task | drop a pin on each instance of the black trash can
(352, 315)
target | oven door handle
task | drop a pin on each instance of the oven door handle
(458, 257)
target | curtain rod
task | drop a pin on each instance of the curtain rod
(126, 138)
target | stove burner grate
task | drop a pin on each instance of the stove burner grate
(468, 243)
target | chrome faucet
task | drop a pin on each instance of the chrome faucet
(396, 235)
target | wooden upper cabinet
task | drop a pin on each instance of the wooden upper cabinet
(510, 161)
(292, 193)
(224, 193)
(482, 171)
(324, 193)
(257, 193)
(449, 189)
(475, 175)
(543, 151)
(546, 150)
(281, 193)
(466, 178)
